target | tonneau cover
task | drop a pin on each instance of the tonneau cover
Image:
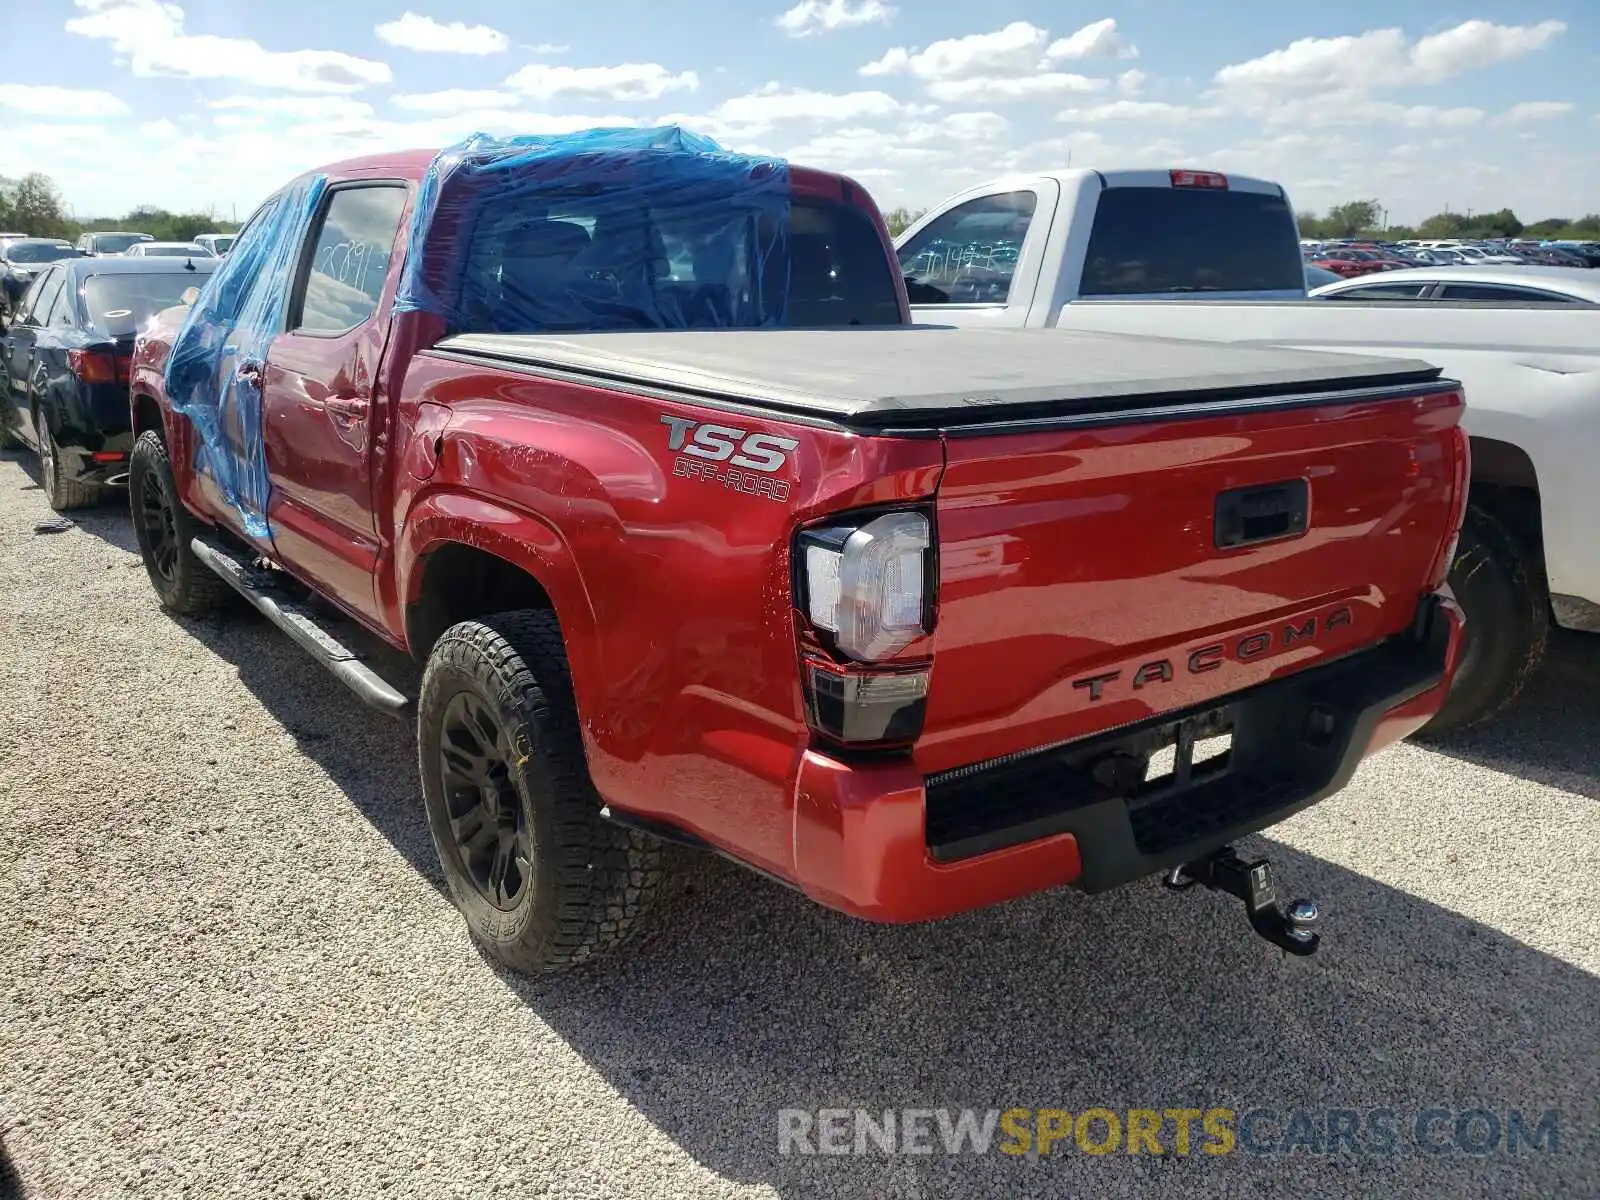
(935, 375)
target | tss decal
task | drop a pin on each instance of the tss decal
(741, 450)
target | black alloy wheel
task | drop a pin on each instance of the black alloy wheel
(488, 820)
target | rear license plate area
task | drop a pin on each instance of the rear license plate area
(1185, 752)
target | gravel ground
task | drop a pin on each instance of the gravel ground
(229, 969)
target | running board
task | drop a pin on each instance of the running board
(298, 621)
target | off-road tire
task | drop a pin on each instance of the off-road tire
(591, 880)
(62, 494)
(189, 588)
(1501, 591)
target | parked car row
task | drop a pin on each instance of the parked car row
(65, 362)
(1349, 256)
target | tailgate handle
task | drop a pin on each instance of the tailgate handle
(1262, 513)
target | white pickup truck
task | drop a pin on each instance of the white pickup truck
(1197, 255)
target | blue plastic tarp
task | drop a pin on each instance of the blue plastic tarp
(606, 229)
(214, 371)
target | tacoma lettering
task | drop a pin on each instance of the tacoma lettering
(1208, 658)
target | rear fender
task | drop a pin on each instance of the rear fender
(527, 543)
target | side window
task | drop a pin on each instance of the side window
(36, 303)
(349, 259)
(1386, 291)
(1504, 295)
(61, 313)
(969, 254)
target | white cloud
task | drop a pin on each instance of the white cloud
(412, 31)
(1099, 40)
(1382, 58)
(159, 130)
(1137, 110)
(1321, 112)
(148, 36)
(1001, 89)
(824, 16)
(1131, 83)
(629, 81)
(1016, 47)
(454, 100)
(957, 127)
(851, 150)
(772, 106)
(548, 48)
(1476, 44)
(46, 101)
(299, 108)
(1535, 110)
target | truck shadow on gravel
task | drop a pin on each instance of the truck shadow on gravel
(1549, 734)
(107, 520)
(743, 998)
(748, 999)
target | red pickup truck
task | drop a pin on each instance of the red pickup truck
(630, 441)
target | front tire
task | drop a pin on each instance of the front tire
(63, 494)
(541, 879)
(1501, 594)
(164, 529)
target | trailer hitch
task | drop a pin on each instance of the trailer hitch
(1225, 871)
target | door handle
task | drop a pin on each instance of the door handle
(347, 408)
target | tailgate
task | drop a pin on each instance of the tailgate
(1102, 574)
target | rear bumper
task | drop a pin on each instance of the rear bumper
(94, 463)
(883, 842)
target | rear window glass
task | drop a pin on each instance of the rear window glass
(115, 243)
(1148, 240)
(119, 304)
(38, 252)
(594, 262)
(172, 252)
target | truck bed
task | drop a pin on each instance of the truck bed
(926, 377)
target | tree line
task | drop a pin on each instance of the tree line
(1357, 217)
(33, 205)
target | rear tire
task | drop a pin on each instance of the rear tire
(164, 529)
(1501, 592)
(541, 879)
(62, 493)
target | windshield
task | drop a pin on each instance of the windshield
(115, 243)
(222, 244)
(603, 261)
(1152, 240)
(119, 304)
(38, 252)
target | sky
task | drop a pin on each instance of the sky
(1421, 105)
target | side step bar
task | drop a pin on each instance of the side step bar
(298, 621)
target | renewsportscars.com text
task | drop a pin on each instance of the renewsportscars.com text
(1181, 1131)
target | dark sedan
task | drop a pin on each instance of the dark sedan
(21, 261)
(64, 365)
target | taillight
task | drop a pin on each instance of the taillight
(1461, 479)
(865, 589)
(97, 366)
(1199, 179)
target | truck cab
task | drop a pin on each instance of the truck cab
(1011, 253)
